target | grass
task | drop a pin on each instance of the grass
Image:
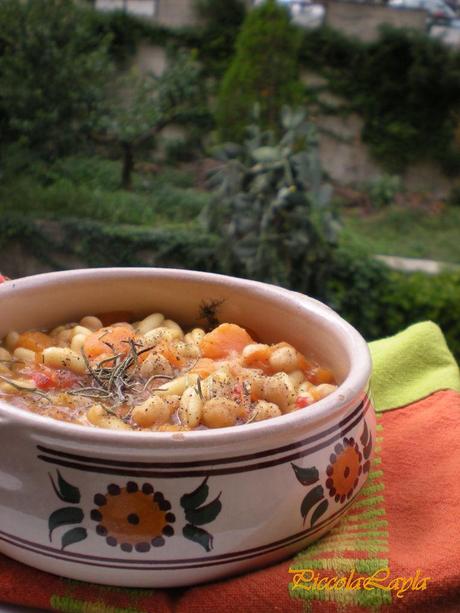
(406, 233)
(88, 188)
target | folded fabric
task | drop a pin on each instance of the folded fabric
(411, 365)
(400, 534)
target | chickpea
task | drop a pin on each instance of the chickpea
(91, 322)
(297, 378)
(64, 357)
(158, 334)
(151, 322)
(220, 413)
(64, 337)
(80, 330)
(154, 411)
(156, 364)
(174, 327)
(305, 387)
(178, 385)
(98, 416)
(24, 355)
(323, 390)
(279, 389)
(4, 370)
(186, 350)
(265, 410)
(11, 340)
(172, 402)
(218, 384)
(77, 342)
(250, 352)
(195, 335)
(190, 407)
(284, 359)
(257, 383)
(5, 354)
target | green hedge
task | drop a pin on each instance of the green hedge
(381, 302)
(76, 242)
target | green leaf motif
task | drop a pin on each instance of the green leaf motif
(64, 517)
(64, 490)
(320, 510)
(310, 500)
(306, 476)
(198, 535)
(196, 498)
(73, 536)
(206, 514)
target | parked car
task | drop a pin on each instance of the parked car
(303, 12)
(437, 9)
(307, 14)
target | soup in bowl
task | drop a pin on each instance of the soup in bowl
(166, 427)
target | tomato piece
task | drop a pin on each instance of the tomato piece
(302, 402)
(48, 378)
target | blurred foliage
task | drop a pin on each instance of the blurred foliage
(88, 187)
(222, 20)
(142, 105)
(52, 71)
(272, 208)
(264, 70)
(405, 85)
(415, 232)
(383, 190)
(60, 245)
(212, 39)
(380, 302)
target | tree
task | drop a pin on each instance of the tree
(52, 74)
(264, 70)
(140, 106)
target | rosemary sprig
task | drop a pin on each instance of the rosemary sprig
(114, 376)
(24, 388)
(252, 417)
(198, 388)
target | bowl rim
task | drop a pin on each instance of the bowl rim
(352, 389)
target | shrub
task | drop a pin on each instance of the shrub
(380, 302)
(85, 187)
(264, 70)
(52, 70)
(91, 243)
(383, 190)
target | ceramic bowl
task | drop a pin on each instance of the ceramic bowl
(194, 506)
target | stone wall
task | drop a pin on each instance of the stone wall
(348, 161)
(364, 20)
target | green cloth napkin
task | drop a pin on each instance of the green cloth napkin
(411, 365)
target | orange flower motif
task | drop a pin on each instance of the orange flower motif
(344, 470)
(133, 518)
